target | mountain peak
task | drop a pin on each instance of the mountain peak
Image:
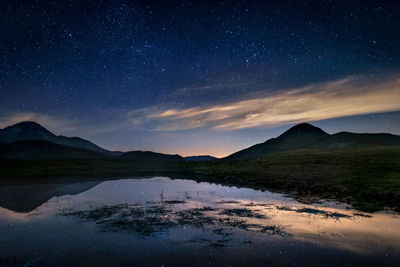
(26, 130)
(28, 125)
(32, 131)
(303, 129)
(299, 136)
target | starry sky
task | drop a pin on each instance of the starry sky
(199, 77)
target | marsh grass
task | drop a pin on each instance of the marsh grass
(158, 217)
(243, 212)
(316, 212)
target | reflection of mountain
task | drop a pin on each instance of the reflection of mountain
(25, 198)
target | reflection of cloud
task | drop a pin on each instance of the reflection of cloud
(345, 97)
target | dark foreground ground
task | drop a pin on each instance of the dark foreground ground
(368, 178)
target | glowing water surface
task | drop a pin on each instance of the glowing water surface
(159, 221)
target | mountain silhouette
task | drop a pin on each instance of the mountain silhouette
(305, 135)
(29, 140)
(35, 149)
(200, 158)
(299, 136)
(149, 156)
(32, 131)
(348, 140)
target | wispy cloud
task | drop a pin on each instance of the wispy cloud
(350, 96)
(83, 127)
(353, 95)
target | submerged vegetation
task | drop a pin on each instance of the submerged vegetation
(222, 219)
(158, 217)
(318, 212)
(154, 218)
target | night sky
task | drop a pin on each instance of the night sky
(201, 77)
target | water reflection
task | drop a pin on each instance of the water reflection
(162, 221)
(25, 198)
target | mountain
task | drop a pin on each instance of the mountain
(149, 156)
(347, 140)
(29, 140)
(308, 136)
(34, 149)
(299, 136)
(32, 131)
(200, 158)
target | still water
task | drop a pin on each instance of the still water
(164, 222)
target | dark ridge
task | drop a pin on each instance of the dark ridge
(200, 158)
(347, 140)
(35, 149)
(299, 136)
(27, 125)
(304, 129)
(149, 156)
(32, 131)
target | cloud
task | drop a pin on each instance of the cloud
(355, 95)
(83, 127)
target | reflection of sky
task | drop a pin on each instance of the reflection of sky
(358, 234)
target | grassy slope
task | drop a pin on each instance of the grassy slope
(368, 177)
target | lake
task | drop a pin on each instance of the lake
(163, 222)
